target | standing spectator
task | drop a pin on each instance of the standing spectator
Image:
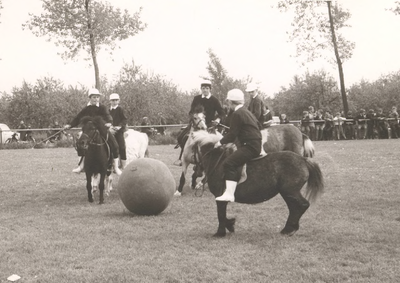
(305, 123)
(29, 135)
(119, 126)
(338, 124)
(161, 121)
(349, 126)
(283, 119)
(22, 134)
(319, 124)
(328, 129)
(381, 124)
(146, 130)
(256, 105)
(361, 122)
(311, 113)
(268, 120)
(394, 122)
(54, 132)
(371, 116)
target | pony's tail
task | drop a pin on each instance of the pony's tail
(309, 149)
(315, 183)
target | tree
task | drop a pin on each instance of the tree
(221, 81)
(315, 32)
(317, 89)
(395, 10)
(84, 25)
(1, 7)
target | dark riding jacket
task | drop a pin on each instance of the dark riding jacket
(211, 106)
(92, 111)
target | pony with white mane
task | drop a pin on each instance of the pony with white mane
(198, 125)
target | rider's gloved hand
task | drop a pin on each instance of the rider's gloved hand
(67, 127)
(218, 144)
(108, 125)
(113, 130)
(215, 122)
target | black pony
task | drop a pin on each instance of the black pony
(94, 141)
(279, 172)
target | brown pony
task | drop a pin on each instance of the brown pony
(283, 173)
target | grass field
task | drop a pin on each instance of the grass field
(50, 233)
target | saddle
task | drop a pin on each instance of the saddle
(182, 137)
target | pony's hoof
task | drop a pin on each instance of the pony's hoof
(177, 194)
(90, 200)
(230, 225)
(288, 232)
(199, 186)
(219, 235)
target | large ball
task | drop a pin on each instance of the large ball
(146, 186)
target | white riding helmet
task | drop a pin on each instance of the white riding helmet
(251, 87)
(114, 96)
(205, 83)
(235, 95)
(93, 91)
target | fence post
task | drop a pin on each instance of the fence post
(1, 136)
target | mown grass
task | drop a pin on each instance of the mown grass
(50, 233)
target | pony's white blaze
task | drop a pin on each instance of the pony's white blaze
(136, 145)
(199, 121)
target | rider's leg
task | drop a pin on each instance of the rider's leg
(119, 136)
(114, 151)
(79, 169)
(231, 164)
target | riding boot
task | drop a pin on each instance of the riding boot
(116, 168)
(123, 164)
(79, 169)
(229, 194)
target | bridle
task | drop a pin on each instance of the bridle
(95, 135)
(196, 125)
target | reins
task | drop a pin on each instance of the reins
(96, 133)
(91, 142)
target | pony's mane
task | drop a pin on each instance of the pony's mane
(203, 137)
(198, 109)
(98, 123)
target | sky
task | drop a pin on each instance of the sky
(249, 36)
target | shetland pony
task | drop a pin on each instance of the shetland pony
(283, 173)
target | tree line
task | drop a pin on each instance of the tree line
(47, 100)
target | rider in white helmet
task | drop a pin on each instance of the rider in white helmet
(245, 128)
(119, 126)
(92, 109)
